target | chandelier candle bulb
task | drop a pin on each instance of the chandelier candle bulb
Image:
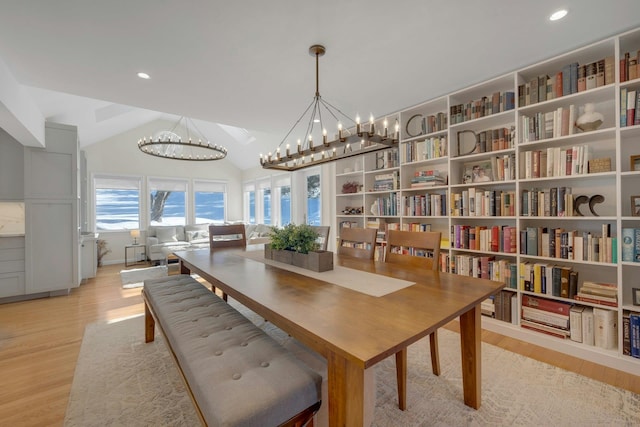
(324, 138)
(372, 128)
(310, 142)
(358, 131)
(385, 124)
(288, 154)
(299, 147)
(339, 133)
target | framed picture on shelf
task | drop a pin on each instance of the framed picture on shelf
(636, 296)
(478, 172)
(635, 205)
(635, 163)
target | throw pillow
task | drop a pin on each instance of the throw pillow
(166, 234)
(197, 235)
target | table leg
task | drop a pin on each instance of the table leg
(346, 392)
(470, 340)
(401, 378)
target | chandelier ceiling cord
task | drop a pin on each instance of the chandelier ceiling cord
(347, 143)
(169, 145)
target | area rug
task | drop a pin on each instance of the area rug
(135, 278)
(121, 381)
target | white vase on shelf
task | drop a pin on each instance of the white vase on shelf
(590, 119)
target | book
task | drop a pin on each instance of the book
(587, 326)
(605, 328)
(575, 322)
(549, 305)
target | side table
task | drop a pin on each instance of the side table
(136, 259)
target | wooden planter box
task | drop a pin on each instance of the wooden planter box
(314, 261)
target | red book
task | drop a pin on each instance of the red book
(495, 236)
(558, 83)
(546, 304)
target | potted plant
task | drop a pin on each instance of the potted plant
(297, 245)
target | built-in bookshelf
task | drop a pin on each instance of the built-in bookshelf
(522, 195)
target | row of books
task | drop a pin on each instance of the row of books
(387, 159)
(594, 326)
(573, 78)
(429, 148)
(629, 67)
(548, 279)
(631, 334)
(501, 306)
(482, 267)
(387, 181)
(550, 124)
(484, 238)
(471, 142)
(554, 201)
(431, 123)
(386, 206)
(424, 205)
(480, 202)
(569, 244)
(631, 244)
(557, 162)
(588, 325)
(629, 107)
(487, 105)
(546, 316)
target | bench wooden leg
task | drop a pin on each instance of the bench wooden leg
(149, 325)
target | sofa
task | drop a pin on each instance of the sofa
(162, 240)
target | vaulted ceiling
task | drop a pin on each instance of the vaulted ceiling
(245, 64)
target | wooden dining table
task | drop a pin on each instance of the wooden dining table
(351, 329)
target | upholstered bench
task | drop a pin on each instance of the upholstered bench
(236, 374)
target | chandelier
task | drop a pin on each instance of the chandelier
(170, 145)
(356, 139)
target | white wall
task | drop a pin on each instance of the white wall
(120, 155)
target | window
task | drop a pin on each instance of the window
(168, 201)
(117, 203)
(264, 205)
(314, 205)
(209, 201)
(249, 203)
(282, 193)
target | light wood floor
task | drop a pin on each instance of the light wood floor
(40, 341)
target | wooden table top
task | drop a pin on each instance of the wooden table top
(362, 328)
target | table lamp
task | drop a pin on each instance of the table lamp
(135, 234)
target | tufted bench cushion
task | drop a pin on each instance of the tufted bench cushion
(237, 374)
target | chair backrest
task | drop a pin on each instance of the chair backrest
(357, 242)
(323, 235)
(227, 236)
(419, 248)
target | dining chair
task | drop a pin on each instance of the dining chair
(420, 249)
(226, 236)
(323, 235)
(357, 242)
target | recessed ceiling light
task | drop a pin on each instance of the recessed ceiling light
(558, 15)
(144, 76)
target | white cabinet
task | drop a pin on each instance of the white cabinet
(11, 266)
(89, 255)
(51, 204)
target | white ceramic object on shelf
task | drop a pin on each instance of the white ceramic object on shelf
(590, 120)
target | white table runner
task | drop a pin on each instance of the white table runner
(361, 281)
